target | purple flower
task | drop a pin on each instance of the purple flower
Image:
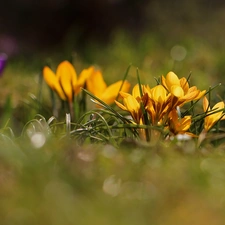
(3, 60)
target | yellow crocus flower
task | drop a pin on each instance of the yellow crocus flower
(212, 117)
(180, 90)
(158, 103)
(65, 82)
(97, 86)
(132, 103)
(179, 125)
(67, 78)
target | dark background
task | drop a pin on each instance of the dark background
(28, 26)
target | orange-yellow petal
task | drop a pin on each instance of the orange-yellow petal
(136, 91)
(184, 84)
(205, 104)
(84, 75)
(178, 125)
(218, 106)
(112, 91)
(177, 91)
(185, 123)
(52, 81)
(67, 78)
(133, 107)
(124, 94)
(49, 77)
(163, 80)
(212, 116)
(96, 84)
(191, 96)
(120, 105)
(147, 89)
(159, 94)
(126, 86)
(172, 79)
(131, 103)
(200, 95)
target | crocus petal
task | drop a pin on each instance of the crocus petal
(158, 93)
(193, 88)
(185, 123)
(163, 80)
(67, 78)
(200, 95)
(49, 77)
(67, 68)
(136, 91)
(147, 89)
(196, 94)
(121, 106)
(52, 81)
(173, 115)
(191, 96)
(172, 79)
(84, 75)
(96, 83)
(177, 91)
(133, 107)
(212, 118)
(178, 125)
(124, 94)
(184, 84)
(131, 103)
(205, 104)
(209, 123)
(112, 91)
(126, 86)
(218, 106)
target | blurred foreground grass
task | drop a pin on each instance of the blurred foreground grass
(63, 183)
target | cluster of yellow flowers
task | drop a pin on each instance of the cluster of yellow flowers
(163, 102)
(158, 106)
(66, 83)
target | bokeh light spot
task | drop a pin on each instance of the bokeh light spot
(38, 139)
(178, 53)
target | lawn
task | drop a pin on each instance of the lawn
(103, 166)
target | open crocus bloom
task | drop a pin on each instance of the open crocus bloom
(97, 86)
(3, 60)
(65, 81)
(67, 78)
(132, 103)
(212, 115)
(180, 90)
(158, 102)
(179, 125)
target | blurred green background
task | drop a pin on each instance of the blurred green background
(156, 36)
